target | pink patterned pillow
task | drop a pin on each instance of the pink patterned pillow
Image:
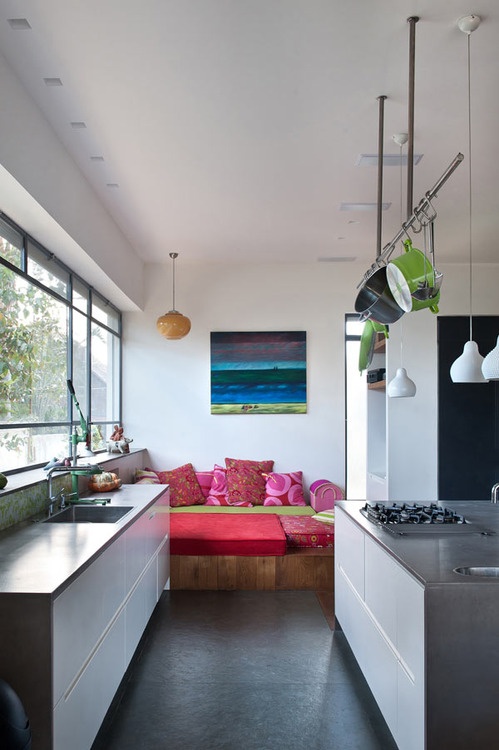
(245, 480)
(284, 489)
(205, 479)
(184, 486)
(218, 492)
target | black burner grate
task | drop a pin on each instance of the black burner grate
(411, 513)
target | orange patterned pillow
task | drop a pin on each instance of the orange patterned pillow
(184, 486)
(245, 480)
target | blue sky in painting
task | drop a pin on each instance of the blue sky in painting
(258, 351)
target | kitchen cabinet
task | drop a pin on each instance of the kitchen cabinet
(424, 635)
(380, 608)
(74, 602)
(98, 622)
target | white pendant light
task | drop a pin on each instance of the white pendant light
(173, 325)
(468, 367)
(490, 365)
(401, 386)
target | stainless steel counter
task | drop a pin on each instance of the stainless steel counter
(43, 558)
(432, 557)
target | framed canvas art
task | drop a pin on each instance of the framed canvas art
(259, 373)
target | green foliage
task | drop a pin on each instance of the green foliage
(33, 350)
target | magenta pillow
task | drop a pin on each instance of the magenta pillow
(205, 479)
(245, 480)
(184, 486)
(218, 491)
(284, 489)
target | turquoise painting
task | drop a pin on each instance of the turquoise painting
(259, 373)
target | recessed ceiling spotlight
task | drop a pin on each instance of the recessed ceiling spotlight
(389, 160)
(336, 259)
(353, 221)
(52, 82)
(363, 206)
(96, 158)
(78, 125)
(112, 185)
(18, 24)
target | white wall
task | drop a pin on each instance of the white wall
(167, 383)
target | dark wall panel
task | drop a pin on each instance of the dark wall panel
(468, 419)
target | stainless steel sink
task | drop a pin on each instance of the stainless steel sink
(483, 572)
(90, 514)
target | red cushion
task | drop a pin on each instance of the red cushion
(213, 534)
(245, 480)
(305, 531)
(184, 486)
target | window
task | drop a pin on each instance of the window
(53, 328)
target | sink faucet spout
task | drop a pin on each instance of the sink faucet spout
(493, 494)
(74, 470)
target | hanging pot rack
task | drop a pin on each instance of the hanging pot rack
(418, 215)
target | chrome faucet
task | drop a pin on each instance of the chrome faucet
(493, 494)
(84, 469)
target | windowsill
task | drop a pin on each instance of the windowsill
(24, 479)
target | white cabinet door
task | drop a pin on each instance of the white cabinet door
(98, 621)
(381, 610)
(349, 550)
(381, 589)
(144, 538)
(79, 713)
(411, 669)
(83, 612)
(139, 608)
(164, 566)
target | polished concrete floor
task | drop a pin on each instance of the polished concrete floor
(243, 670)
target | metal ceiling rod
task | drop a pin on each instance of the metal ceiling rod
(410, 126)
(423, 205)
(381, 100)
(420, 210)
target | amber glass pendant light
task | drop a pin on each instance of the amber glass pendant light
(173, 325)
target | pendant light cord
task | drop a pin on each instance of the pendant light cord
(402, 222)
(470, 188)
(173, 279)
(174, 257)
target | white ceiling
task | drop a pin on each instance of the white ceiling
(230, 129)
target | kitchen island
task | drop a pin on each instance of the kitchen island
(426, 637)
(75, 599)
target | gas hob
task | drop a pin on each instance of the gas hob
(416, 518)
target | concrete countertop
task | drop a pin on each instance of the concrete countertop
(43, 558)
(432, 558)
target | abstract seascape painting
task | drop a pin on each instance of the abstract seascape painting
(259, 373)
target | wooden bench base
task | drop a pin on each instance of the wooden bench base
(301, 569)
